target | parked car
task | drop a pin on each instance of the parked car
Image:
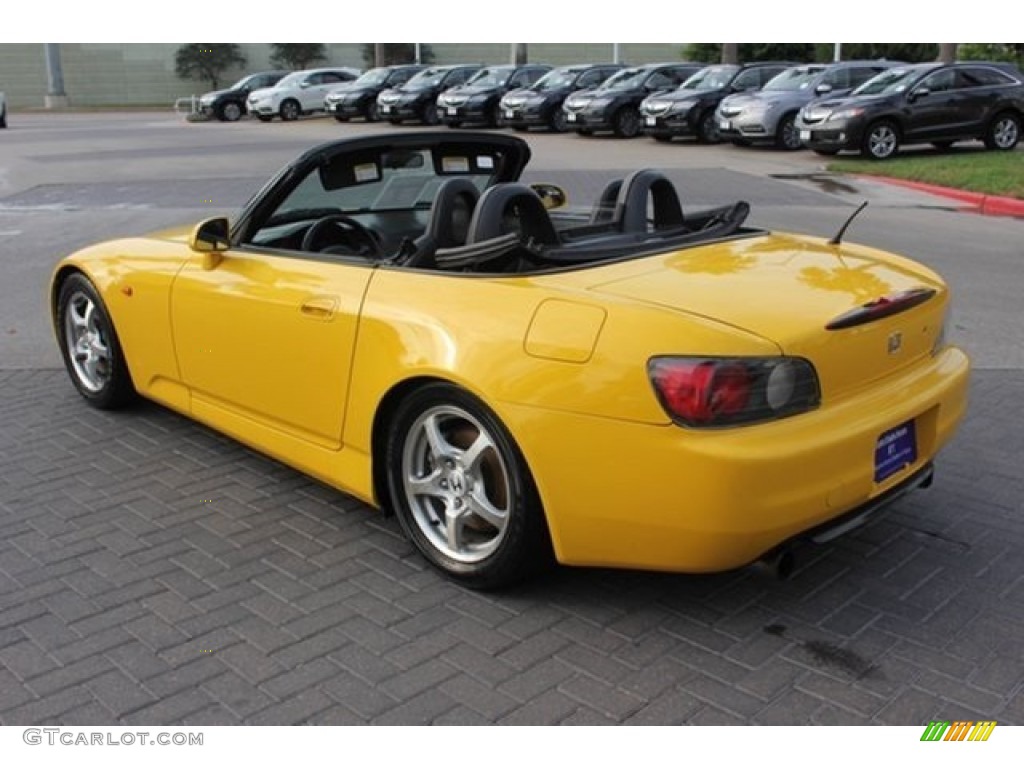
(229, 104)
(540, 105)
(615, 104)
(359, 98)
(417, 98)
(769, 115)
(297, 94)
(478, 100)
(917, 104)
(400, 317)
(690, 109)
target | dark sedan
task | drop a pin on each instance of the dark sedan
(615, 105)
(359, 98)
(229, 104)
(540, 105)
(918, 104)
(417, 99)
(478, 100)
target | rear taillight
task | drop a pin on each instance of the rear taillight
(714, 392)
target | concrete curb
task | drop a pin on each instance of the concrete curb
(989, 205)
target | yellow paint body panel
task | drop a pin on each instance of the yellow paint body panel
(294, 356)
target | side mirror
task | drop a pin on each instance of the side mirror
(552, 195)
(304, 84)
(210, 238)
(823, 88)
(919, 93)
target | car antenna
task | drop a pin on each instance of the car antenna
(842, 230)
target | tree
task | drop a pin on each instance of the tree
(297, 55)
(714, 53)
(522, 54)
(207, 61)
(947, 52)
(908, 52)
(386, 54)
(1011, 52)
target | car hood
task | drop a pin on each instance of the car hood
(786, 289)
(210, 95)
(688, 94)
(350, 88)
(832, 102)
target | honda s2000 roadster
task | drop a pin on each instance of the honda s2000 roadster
(632, 384)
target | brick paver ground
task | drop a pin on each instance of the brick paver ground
(152, 572)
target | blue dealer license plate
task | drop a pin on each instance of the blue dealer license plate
(895, 449)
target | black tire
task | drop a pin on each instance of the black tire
(521, 128)
(340, 118)
(394, 121)
(90, 347)
(627, 123)
(664, 138)
(264, 118)
(1003, 132)
(3, 120)
(290, 110)
(881, 140)
(372, 111)
(230, 112)
(494, 118)
(438, 498)
(455, 124)
(787, 135)
(584, 132)
(429, 115)
(557, 121)
(707, 129)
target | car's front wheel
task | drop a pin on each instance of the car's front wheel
(557, 121)
(881, 140)
(230, 112)
(372, 112)
(1003, 132)
(462, 490)
(290, 109)
(626, 123)
(787, 135)
(429, 115)
(90, 347)
(707, 129)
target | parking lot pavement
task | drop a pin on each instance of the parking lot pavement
(152, 572)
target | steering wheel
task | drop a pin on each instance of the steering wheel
(338, 233)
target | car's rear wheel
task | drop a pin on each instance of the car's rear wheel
(787, 135)
(90, 347)
(290, 109)
(1003, 132)
(881, 140)
(230, 112)
(462, 490)
(707, 129)
(626, 123)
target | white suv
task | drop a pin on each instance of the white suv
(299, 93)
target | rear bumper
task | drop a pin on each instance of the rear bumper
(665, 498)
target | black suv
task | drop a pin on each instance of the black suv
(690, 109)
(359, 98)
(229, 104)
(417, 98)
(918, 104)
(615, 104)
(478, 100)
(540, 104)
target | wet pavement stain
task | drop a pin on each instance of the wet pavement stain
(829, 655)
(829, 183)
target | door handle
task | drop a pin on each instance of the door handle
(319, 307)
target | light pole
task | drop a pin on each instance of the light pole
(55, 95)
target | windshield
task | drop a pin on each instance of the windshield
(555, 79)
(890, 81)
(624, 80)
(372, 77)
(794, 79)
(710, 78)
(428, 78)
(492, 77)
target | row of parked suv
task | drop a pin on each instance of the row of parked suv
(868, 106)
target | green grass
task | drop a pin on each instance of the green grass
(993, 173)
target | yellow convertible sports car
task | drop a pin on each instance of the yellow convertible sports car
(630, 385)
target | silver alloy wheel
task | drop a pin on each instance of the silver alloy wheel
(88, 348)
(1005, 133)
(456, 483)
(290, 110)
(789, 134)
(882, 141)
(231, 111)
